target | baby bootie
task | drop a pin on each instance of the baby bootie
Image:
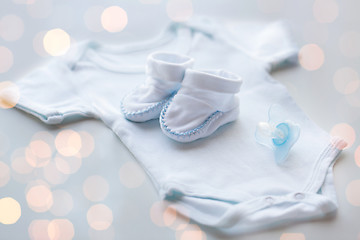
(206, 101)
(165, 72)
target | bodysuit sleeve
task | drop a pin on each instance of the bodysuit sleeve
(270, 44)
(49, 93)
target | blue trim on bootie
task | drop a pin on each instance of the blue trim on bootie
(194, 131)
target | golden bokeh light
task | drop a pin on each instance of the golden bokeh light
(9, 93)
(357, 156)
(157, 213)
(345, 131)
(92, 18)
(292, 236)
(164, 215)
(108, 234)
(56, 42)
(179, 10)
(349, 44)
(311, 57)
(99, 217)
(346, 80)
(62, 203)
(4, 174)
(68, 143)
(61, 229)
(11, 27)
(39, 8)
(19, 163)
(353, 193)
(325, 11)
(34, 160)
(270, 6)
(68, 165)
(53, 175)
(38, 229)
(6, 59)
(40, 149)
(88, 144)
(95, 188)
(10, 210)
(38, 44)
(114, 19)
(46, 137)
(191, 231)
(131, 175)
(39, 198)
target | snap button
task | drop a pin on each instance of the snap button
(269, 200)
(299, 196)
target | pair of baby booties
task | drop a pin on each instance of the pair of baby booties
(190, 104)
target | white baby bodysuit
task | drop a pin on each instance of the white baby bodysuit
(227, 181)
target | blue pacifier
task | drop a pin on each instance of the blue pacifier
(279, 133)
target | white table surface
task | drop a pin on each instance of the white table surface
(316, 92)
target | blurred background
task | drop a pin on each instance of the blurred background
(78, 181)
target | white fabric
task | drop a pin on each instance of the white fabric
(165, 72)
(227, 180)
(207, 97)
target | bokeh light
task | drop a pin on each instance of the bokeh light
(53, 175)
(292, 236)
(108, 234)
(114, 19)
(9, 93)
(150, 1)
(157, 213)
(39, 198)
(357, 156)
(45, 136)
(6, 59)
(38, 44)
(131, 175)
(62, 203)
(22, 171)
(41, 152)
(191, 231)
(349, 44)
(68, 165)
(38, 229)
(61, 229)
(4, 174)
(270, 6)
(68, 143)
(179, 10)
(4, 143)
(99, 217)
(346, 80)
(92, 18)
(88, 144)
(40, 8)
(56, 42)
(11, 27)
(353, 193)
(10, 210)
(325, 11)
(311, 57)
(95, 188)
(345, 131)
